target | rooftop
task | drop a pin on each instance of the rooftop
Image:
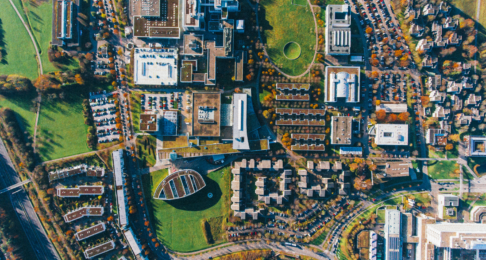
(240, 131)
(148, 122)
(342, 84)
(341, 130)
(155, 66)
(207, 107)
(338, 30)
(391, 134)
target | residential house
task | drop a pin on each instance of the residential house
(437, 96)
(416, 30)
(424, 45)
(429, 9)
(434, 83)
(436, 137)
(429, 62)
(463, 119)
(444, 8)
(455, 39)
(450, 23)
(456, 103)
(473, 100)
(441, 112)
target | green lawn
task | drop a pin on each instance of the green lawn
(175, 220)
(62, 128)
(146, 148)
(274, 17)
(469, 7)
(40, 20)
(442, 169)
(136, 107)
(380, 217)
(21, 104)
(17, 49)
(263, 95)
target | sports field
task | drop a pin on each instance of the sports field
(173, 221)
(62, 128)
(17, 49)
(284, 22)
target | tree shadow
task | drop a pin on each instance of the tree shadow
(3, 45)
(199, 200)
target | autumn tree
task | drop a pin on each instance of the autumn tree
(449, 147)
(375, 62)
(403, 116)
(425, 100)
(45, 82)
(380, 114)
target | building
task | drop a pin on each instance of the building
(354, 151)
(394, 169)
(240, 130)
(168, 123)
(65, 26)
(338, 30)
(134, 244)
(91, 171)
(179, 184)
(155, 19)
(155, 67)
(448, 205)
(100, 249)
(392, 228)
(392, 108)
(148, 123)
(292, 92)
(300, 117)
(79, 191)
(342, 84)
(89, 211)
(308, 142)
(448, 236)
(477, 146)
(391, 134)
(436, 137)
(91, 231)
(206, 120)
(341, 130)
(119, 171)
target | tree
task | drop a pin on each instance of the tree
(79, 79)
(380, 115)
(403, 116)
(449, 147)
(45, 82)
(266, 114)
(425, 100)
(368, 30)
(110, 218)
(375, 62)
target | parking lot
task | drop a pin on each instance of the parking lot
(104, 111)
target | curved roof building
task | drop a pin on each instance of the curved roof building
(179, 184)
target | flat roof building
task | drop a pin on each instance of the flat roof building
(100, 249)
(206, 114)
(65, 26)
(477, 146)
(155, 18)
(91, 231)
(95, 211)
(446, 201)
(342, 84)
(155, 66)
(341, 130)
(392, 108)
(240, 131)
(119, 170)
(169, 121)
(448, 236)
(133, 243)
(79, 191)
(391, 134)
(392, 228)
(148, 123)
(338, 30)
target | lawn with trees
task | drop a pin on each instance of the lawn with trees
(62, 131)
(443, 169)
(17, 53)
(175, 219)
(277, 32)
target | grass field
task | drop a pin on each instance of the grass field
(21, 104)
(62, 128)
(40, 20)
(469, 7)
(174, 220)
(442, 169)
(146, 147)
(18, 51)
(278, 32)
(136, 107)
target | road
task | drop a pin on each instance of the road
(31, 224)
(276, 247)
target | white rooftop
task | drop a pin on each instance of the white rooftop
(155, 66)
(132, 242)
(391, 134)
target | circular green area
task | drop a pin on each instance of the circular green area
(292, 50)
(282, 23)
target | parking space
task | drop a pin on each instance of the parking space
(104, 112)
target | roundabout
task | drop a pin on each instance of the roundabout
(292, 50)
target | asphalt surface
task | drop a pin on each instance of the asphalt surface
(31, 224)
